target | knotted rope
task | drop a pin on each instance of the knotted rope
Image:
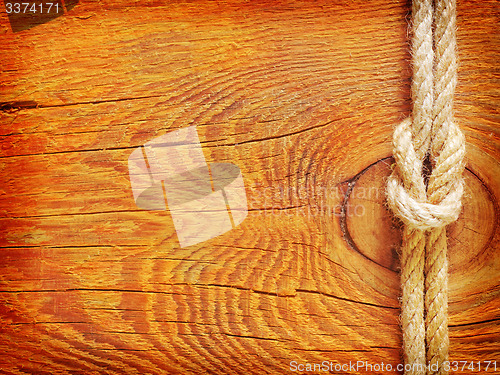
(426, 210)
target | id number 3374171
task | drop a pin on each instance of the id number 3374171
(32, 7)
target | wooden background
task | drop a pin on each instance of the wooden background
(303, 97)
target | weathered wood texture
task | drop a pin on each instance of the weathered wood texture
(303, 97)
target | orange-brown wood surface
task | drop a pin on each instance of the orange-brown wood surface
(302, 96)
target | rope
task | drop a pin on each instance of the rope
(425, 211)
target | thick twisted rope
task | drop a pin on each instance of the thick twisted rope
(426, 211)
(447, 157)
(411, 142)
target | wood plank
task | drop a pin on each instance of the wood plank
(302, 96)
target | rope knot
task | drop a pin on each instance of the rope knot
(407, 196)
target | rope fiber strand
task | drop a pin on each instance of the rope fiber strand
(425, 211)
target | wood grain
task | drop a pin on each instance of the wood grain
(302, 96)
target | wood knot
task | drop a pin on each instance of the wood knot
(375, 232)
